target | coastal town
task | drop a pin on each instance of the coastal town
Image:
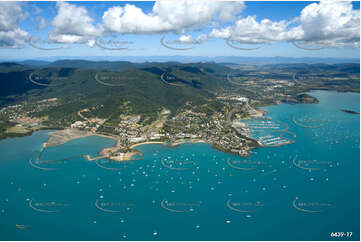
(223, 130)
(181, 120)
(194, 103)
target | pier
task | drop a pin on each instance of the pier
(273, 126)
(38, 161)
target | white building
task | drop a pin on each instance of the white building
(77, 124)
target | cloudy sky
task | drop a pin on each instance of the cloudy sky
(178, 27)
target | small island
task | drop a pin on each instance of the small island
(349, 111)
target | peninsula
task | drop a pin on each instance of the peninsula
(167, 103)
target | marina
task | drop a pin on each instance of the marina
(263, 131)
(200, 189)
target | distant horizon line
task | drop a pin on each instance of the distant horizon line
(165, 57)
(190, 56)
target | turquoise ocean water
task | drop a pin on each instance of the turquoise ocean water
(300, 191)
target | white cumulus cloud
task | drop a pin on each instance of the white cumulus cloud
(188, 39)
(11, 36)
(169, 16)
(72, 24)
(249, 30)
(328, 23)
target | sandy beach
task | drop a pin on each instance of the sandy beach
(180, 142)
(60, 137)
(149, 142)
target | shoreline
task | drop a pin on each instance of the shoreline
(60, 137)
(149, 142)
(174, 144)
(181, 142)
(126, 157)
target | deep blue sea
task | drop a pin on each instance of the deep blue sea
(301, 191)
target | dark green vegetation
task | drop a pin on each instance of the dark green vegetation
(305, 98)
(130, 88)
(3, 127)
(77, 89)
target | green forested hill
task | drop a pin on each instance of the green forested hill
(112, 88)
(105, 87)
